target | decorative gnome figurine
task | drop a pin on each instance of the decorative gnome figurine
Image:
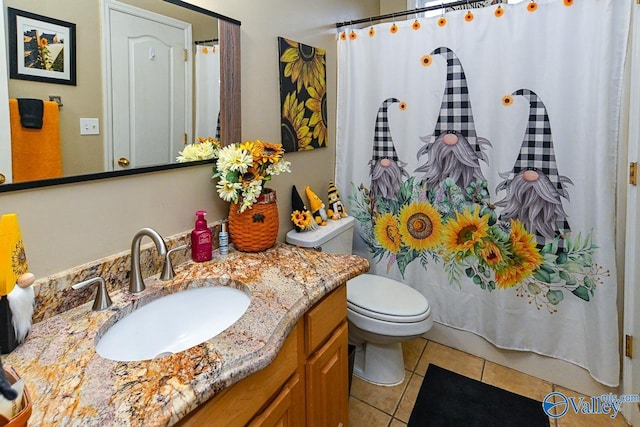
(16, 302)
(301, 217)
(317, 207)
(336, 208)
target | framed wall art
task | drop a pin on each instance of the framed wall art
(41, 48)
(303, 96)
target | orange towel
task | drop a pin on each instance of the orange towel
(36, 153)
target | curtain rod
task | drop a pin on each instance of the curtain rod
(407, 12)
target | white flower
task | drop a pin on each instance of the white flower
(278, 168)
(250, 194)
(232, 158)
(198, 151)
(228, 191)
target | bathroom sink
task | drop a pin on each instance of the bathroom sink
(173, 323)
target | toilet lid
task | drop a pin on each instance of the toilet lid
(386, 299)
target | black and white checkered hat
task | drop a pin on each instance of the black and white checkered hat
(537, 145)
(455, 111)
(383, 147)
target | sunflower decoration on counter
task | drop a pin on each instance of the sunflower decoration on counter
(459, 230)
(302, 220)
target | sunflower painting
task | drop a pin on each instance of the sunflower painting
(302, 96)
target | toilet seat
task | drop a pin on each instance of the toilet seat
(385, 299)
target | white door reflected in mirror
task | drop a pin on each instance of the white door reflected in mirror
(148, 84)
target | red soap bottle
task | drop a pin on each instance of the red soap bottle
(201, 241)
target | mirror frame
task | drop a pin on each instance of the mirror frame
(230, 107)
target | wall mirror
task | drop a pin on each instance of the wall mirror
(176, 108)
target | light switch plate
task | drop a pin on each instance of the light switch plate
(89, 126)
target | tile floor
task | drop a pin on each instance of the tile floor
(376, 406)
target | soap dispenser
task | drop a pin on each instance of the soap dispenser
(201, 241)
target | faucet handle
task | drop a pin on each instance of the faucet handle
(167, 267)
(102, 301)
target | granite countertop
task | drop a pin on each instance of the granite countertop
(70, 384)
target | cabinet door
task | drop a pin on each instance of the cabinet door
(328, 382)
(286, 410)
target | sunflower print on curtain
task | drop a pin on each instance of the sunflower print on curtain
(303, 97)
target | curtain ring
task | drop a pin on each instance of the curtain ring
(394, 27)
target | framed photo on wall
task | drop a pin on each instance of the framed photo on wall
(41, 48)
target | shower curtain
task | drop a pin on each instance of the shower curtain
(207, 78)
(477, 150)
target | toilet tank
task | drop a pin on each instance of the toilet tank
(336, 237)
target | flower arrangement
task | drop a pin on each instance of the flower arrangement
(244, 168)
(202, 149)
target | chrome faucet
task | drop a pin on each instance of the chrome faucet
(136, 283)
(167, 267)
(102, 301)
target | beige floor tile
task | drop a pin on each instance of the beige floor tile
(384, 398)
(409, 398)
(515, 382)
(412, 350)
(571, 419)
(396, 423)
(363, 415)
(451, 359)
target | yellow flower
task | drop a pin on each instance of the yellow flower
(304, 63)
(271, 153)
(420, 226)
(19, 259)
(525, 257)
(254, 148)
(466, 231)
(491, 254)
(301, 219)
(295, 127)
(317, 103)
(252, 174)
(387, 233)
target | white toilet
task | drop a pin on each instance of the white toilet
(382, 312)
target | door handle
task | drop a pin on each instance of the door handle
(123, 161)
(2, 179)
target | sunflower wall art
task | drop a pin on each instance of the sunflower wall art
(303, 97)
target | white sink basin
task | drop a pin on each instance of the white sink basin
(173, 323)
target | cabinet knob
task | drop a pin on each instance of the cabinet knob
(123, 161)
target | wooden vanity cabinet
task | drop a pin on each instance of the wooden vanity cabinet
(306, 385)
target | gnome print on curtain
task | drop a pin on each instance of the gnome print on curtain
(387, 170)
(453, 150)
(534, 187)
(443, 213)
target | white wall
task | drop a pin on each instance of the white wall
(72, 224)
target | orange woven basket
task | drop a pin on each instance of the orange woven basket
(22, 418)
(255, 229)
